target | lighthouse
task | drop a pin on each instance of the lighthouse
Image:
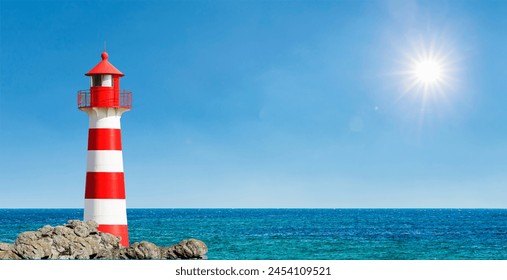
(104, 103)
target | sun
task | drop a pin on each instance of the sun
(428, 71)
(426, 78)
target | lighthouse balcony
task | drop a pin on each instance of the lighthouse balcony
(87, 99)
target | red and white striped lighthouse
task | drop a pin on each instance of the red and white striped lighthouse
(105, 187)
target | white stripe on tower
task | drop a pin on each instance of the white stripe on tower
(105, 117)
(105, 161)
(115, 209)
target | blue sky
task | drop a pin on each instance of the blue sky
(260, 103)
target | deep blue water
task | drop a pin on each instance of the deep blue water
(336, 234)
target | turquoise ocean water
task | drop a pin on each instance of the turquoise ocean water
(335, 234)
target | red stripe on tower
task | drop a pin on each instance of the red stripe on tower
(105, 182)
(104, 139)
(105, 185)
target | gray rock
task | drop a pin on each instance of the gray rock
(80, 249)
(32, 251)
(82, 231)
(60, 248)
(46, 244)
(107, 254)
(73, 223)
(6, 246)
(92, 226)
(63, 231)
(61, 245)
(186, 249)
(46, 231)
(9, 255)
(143, 250)
(94, 242)
(7, 252)
(110, 241)
(27, 237)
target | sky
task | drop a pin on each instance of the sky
(261, 103)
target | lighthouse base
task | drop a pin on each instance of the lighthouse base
(117, 230)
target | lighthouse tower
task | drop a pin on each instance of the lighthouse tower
(104, 103)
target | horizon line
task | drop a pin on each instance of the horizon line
(268, 208)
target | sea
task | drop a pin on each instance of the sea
(304, 234)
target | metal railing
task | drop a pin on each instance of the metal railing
(126, 99)
(84, 99)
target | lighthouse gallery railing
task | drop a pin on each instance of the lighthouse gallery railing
(84, 99)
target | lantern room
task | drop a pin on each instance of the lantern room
(104, 89)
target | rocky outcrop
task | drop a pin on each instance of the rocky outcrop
(82, 240)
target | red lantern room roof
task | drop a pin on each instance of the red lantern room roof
(104, 67)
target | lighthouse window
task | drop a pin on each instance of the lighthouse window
(102, 80)
(96, 80)
(107, 80)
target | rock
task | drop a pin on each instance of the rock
(31, 251)
(107, 255)
(60, 247)
(94, 241)
(6, 247)
(9, 255)
(198, 247)
(7, 252)
(27, 237)
(186, 249)
(73, 223)
(82, 231)
(143, 250)
(109, 241)
(92, 226)
(80, 249)
(46, 231)
(82, 240)
(63, 231)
